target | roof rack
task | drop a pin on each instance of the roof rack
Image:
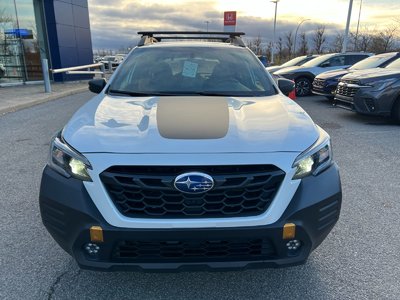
(151, 37)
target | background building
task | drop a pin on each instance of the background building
(58, 30)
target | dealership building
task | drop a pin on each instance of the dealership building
(31, 30)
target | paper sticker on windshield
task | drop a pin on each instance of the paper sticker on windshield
(189, 69)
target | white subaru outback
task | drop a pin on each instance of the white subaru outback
(190, 157)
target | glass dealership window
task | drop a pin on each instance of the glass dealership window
(10, 50)
(19, 50)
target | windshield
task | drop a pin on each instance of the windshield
(371, 62)
(394, 65)
(294, 62)
(180, 70)
(317, 61)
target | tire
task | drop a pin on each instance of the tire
(396, 111)
(303, 87)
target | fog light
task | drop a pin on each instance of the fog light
(293, 245)
(370, 104)
(92, 249)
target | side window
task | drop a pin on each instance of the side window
(352, 59)
(333, 62)
(337, 61)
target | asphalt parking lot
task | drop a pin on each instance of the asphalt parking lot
(360, 259)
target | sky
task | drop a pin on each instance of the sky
(114, 24)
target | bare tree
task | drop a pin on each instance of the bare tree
(389, 37)
(5, 17)
(337, 44)
(364, 42)
(280, 49)
(256, 45)
(5, 20)
(303, 44)
(319, 39)
(384, 41)
(268, 50)
(289, 42)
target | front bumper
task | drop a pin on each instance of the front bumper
(68, 213)
(327, 90)
(368, 102)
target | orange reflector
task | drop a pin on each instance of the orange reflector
(96, 234)
(289, 231)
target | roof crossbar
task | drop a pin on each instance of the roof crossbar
(151, 37)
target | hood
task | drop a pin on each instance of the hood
(372, 74)
(191, 124)
(289, 70)
(273, 69)
(333, 74)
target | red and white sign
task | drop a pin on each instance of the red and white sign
(229, 18)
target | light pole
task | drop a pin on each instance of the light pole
(295, 35)
(358, 26)
(273, 39)
(346, 33)
(207, 22)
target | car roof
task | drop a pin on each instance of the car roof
(387, 54)
(347, 53)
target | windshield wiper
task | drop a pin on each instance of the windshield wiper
(197, 93)
(233, 94)
(139, 94)
(183, 93)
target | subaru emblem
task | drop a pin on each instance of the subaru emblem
(194, 183)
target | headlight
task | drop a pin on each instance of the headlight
(381, 84)
(315, 159)
(67, 161)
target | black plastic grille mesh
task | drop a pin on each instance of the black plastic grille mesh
(346, 91)
(207, 250)
(148, 192)
(318, 83)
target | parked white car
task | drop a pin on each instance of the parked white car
(190, 157)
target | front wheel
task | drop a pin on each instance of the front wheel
(303, 87)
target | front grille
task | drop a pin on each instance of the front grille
(351, 81)
(148, 191)
(346, 91)
(195, 250)
(318, 83)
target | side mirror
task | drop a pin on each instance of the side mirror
(286, 86)
(97, 85)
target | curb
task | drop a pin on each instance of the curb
(48, 98)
